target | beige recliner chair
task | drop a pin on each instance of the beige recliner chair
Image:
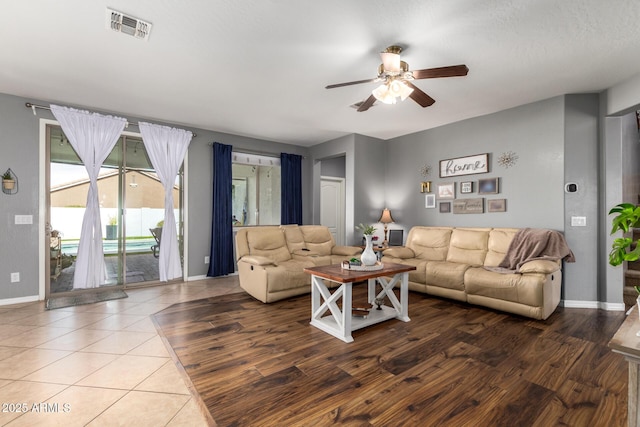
(266, 268)
(272, 259)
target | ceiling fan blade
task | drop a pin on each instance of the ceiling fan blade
(432, 73)
(357, 82)
(419, 96)
(367, 104)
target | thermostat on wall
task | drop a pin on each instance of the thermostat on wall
(570, 187)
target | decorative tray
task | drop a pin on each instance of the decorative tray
(348, 266)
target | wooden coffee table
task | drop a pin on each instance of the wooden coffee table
(340, 322)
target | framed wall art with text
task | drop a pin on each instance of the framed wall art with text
(468, 165)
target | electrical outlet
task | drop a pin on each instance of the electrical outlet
(15, 277)
(206, 260)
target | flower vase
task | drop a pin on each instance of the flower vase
(368, 256)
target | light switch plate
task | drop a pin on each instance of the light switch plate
(578, 221)
(24, 219)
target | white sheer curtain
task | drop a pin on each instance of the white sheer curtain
(93, 136)
(166, 148)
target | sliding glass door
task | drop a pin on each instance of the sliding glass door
(131, 209)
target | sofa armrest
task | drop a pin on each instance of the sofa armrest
(400, 252)
(539, 266)
(258, 260)
(346, 250)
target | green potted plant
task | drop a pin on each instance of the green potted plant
(625, 248)
(8, 183)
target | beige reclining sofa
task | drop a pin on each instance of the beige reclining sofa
(461, 263)
(271, 259)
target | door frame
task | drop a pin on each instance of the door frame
(44, 214)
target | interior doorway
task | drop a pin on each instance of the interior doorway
(131, 212)
(332, 206)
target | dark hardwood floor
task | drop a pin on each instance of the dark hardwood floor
(255, 364)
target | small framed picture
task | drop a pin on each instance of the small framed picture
(497, 205)
(430, 201)
(445, 207)
(466, 187)
(488, 186)
(447, 191)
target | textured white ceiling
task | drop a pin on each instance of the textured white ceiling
(259, 67)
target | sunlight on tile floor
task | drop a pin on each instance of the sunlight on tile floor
(98, 364)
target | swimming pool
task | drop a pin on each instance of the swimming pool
(70, 247)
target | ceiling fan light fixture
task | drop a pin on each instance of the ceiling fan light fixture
(389, 93)
(383, 94)
(399, 89)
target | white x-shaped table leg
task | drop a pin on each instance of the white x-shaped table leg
(342, 318)
(401, 307)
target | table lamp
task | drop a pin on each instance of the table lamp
(385, 218)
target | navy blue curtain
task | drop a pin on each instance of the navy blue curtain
(221, 260)
(291, 189)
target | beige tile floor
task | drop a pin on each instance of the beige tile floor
(98, 364)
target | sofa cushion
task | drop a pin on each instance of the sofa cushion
(429, 243)
(446, 274)
(268, 242)
(499, 241)
(468, 246)
(318, 239)
(294, 238)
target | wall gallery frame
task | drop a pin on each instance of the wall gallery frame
(468, 206)
(445, 207)
(447, 191)
(497, 205)
(488, 186)
(430, 201)
(466, 187)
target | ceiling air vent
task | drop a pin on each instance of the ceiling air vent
(122, 23)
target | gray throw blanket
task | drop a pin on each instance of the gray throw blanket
(532, 244)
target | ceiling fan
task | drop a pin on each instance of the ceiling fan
(396, 80)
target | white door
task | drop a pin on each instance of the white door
(332, 207)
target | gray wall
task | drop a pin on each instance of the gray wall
(557, 141)
(20, 152)
(335, 167)
(364, 157)
(533, 187)
(581, 166)
(19, 248)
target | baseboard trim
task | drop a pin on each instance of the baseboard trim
(205, 277)
(20, 300)
(608, 306)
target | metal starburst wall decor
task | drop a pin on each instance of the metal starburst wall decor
(508, 159)
(425, 170)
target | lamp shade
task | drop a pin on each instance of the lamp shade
(382, 94)
(390, 62)
(386, 217)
